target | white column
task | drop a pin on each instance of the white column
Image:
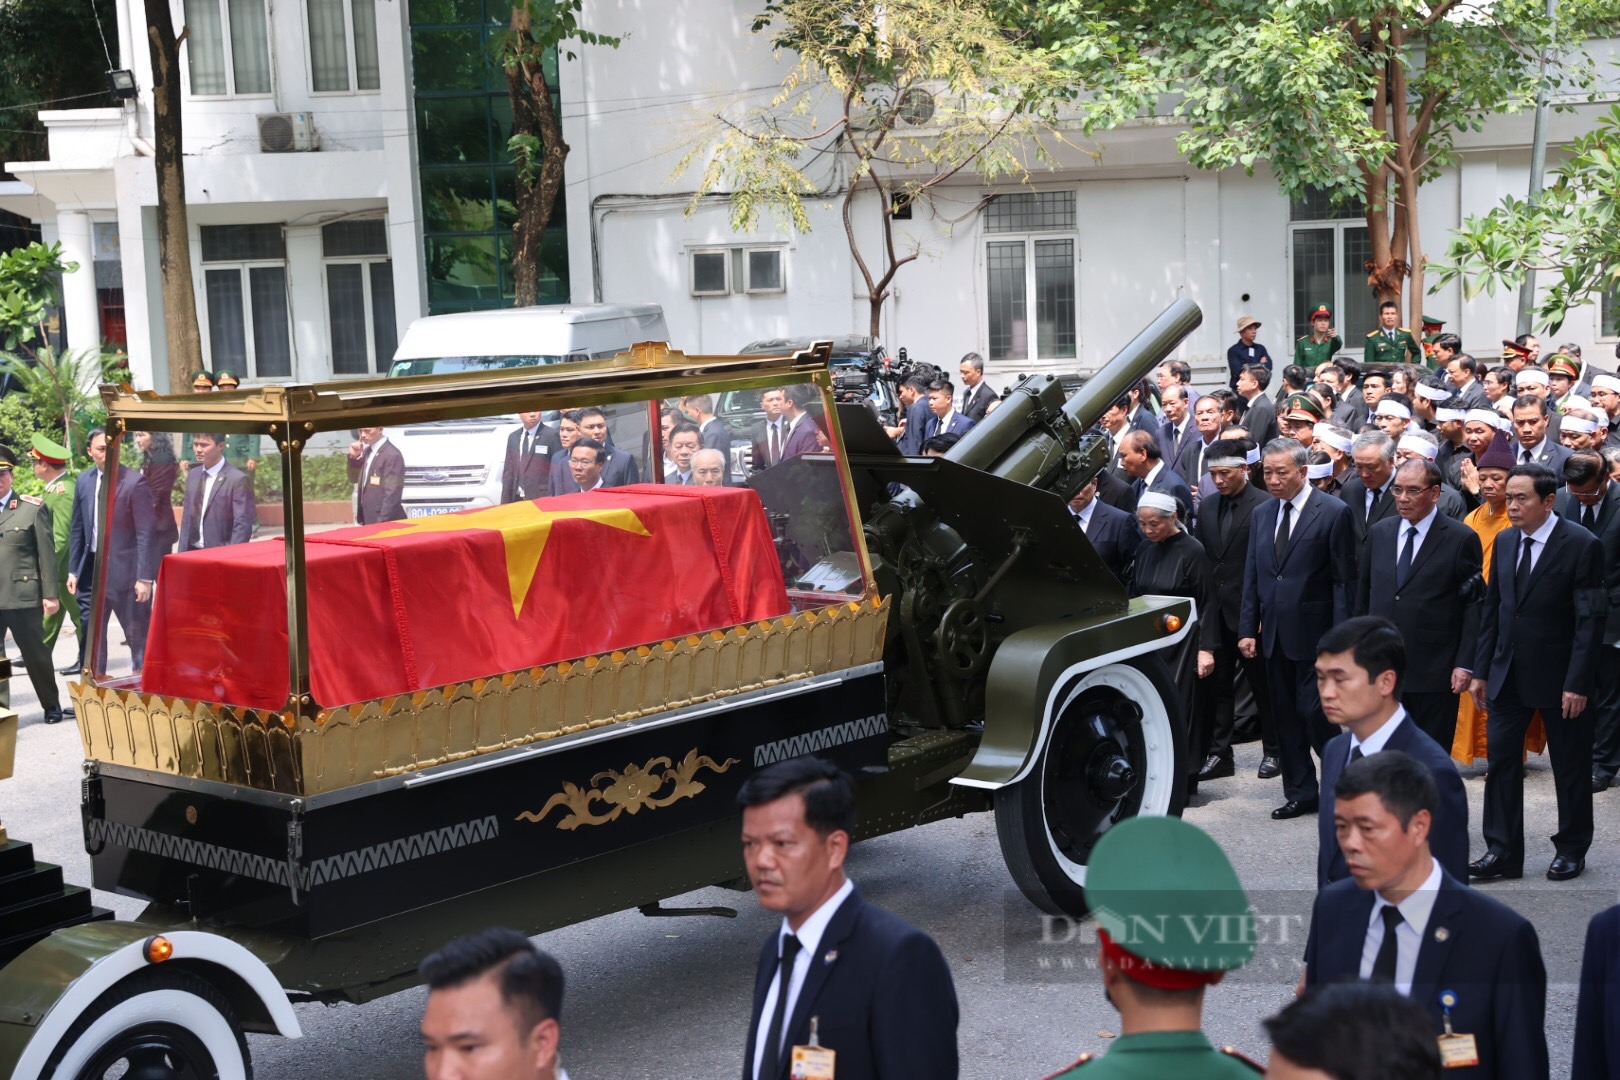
(80, 309)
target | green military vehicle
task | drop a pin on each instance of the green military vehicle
(341, 750)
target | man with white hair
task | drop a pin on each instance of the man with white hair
(1368, 495)
(709, 468)
(1423, 446)
(1581, 430)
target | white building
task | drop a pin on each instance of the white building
(346, 172)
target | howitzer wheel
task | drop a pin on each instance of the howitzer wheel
(964, 639)
(159, 1024)
(1115, 751)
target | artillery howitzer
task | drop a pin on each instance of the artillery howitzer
(325, 770)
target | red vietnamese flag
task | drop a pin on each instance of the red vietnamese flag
(429, 601)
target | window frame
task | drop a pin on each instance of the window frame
(691, 262)
(1607, 299)
(243, 268)
(1031, 290)
(749, 288)
(375, 365)
(350, 54)
(1353, 347)
(229, 58)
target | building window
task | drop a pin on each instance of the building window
(342, 45)
(764, 267)
(359, 296)
(1328, 249)
(1610, 307)
(721, 271)
(711, 272)
(227, 47)
(1031, 280)
(249, 318)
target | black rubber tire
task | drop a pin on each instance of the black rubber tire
(1055, 885)
(171, 1035)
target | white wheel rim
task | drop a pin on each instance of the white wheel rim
(1158, 746)
(175, 1007)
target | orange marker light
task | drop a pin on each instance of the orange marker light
(1171, 623)
(158, 949)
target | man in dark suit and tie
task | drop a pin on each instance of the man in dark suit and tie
(1191, 466)
(1368, 494)
(621, 466)
(219, 507)
(1139, 457)
(1177, 430)
(1223, 530)
(130, 539)
(1361, 665)
(530, 450)
(1540, 641)
(1422, 572)
(1590, 500)
(976, 393)
(943, 418)
(773, 432)
(712, 431)
(1597, 1011)
(1537, 444)
(800, 426)
(1298, 581)
(908, 434)
(377, 471)
(1259, 417)
(1473, 963)
(878, 988)
(1112, 532)
(684, 443)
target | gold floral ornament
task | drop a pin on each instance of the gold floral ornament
(633, 790)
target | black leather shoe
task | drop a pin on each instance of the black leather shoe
(53, 716)
(1493, 867)
(1294, 808)
(1215, 768)
(1563, 868)
(71, 669)
(1601, 783)
(1269, 768)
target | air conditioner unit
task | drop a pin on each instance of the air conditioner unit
(284, 133)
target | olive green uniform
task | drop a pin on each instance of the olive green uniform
(1404, 349)
(1309, 353)
(1156, 1055)
(27, 577)
(59, 501)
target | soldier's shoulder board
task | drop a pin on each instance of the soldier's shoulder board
(1234, 1052)
(1373, 333)
(31, 500)
(1406, 330)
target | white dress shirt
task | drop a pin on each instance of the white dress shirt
(809, 935)
(1540, 536)
(1415, 911)
(1084, 516)
(1377, 740)
(209, 483)
(1422, 533)
(943, 423)
(1298, 503)
(1153, 474)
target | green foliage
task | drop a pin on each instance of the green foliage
(29, 284)
(326, 478)
(1572, 232)
(551, 22)
(53, 55)
(57, 385)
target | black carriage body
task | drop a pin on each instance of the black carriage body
(321, 865)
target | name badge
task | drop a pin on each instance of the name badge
(812, 1063)
(1458, 1051)
(542, 448)
(376, 481)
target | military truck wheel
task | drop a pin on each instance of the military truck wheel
(159, 1024)
(1115, 751)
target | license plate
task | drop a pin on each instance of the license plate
(430, 511)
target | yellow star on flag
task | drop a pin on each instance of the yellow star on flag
(524, 529)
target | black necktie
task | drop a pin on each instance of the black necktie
(776, 443)
(528, 443)
(1403, 565)
(1373, 498)
(770, 1064)
(1225, 522)
(1356, 754)
(1589, 519)
(966, 395)
(1283, 531)
(1524, 457)
(1522, 574)
(1384, 964)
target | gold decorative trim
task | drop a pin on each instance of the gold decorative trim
(629, 792)
(369, 740)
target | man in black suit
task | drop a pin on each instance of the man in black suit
(218, 507)
(1139, 457)
(976, 393)
(1597, 1012)
(907, 435)
(1473, 963)
(494, 1009)
(1178, 430)
(1259, 417)
(712, 430)
(878, 987)
(1361, 667)
(130, 539)
(1116, 492)
(1368, 494)
(1191, 466)
(1540, 640)
(1592, 502)
(530, 450)
(1112, 532)
(1536, 444)
(1422, 572)
(799, 424)
(377, 471)
(1464, 372)
(1223, 530)
(1298, 581)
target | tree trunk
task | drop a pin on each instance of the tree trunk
(533, 114)
(174, 238)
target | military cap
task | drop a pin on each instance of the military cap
(1513, 348)
(1565, 365)
(1170, 909)
(8, 460)
(48, 451)
(1303, 407)
(1431, 323)
(1321, 312)
(223, 376)
(202, 379)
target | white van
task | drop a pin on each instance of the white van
(458, 464)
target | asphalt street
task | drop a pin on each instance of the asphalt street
(670, 997)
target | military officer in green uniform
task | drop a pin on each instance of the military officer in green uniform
(1172, 920)
(50, 466)
(240, 450)
(1322, 344)
(28, 584)
(201, 383)
(1391, 344)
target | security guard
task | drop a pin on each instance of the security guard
(1322, 344)
(1298, 417)
(1391, 344)
(240, 450)
(1432, 329)
(1172, 919)
(28, 584)
(201, 383)
(50, 466)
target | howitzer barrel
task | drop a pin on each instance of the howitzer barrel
(1134, 361)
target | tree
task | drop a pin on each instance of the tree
(529, 55)
(174, 238)
(55, 384)
(1360, 98)
(1571, 231)
(914, 92)
(51, 63)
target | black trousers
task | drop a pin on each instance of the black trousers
(132, 617)
(1605, 706)
(1301, 727)
(1220, 698)
(27, 626)
(1569, 743)
(1435, 713)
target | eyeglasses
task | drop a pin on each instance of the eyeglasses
(1411, 492)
